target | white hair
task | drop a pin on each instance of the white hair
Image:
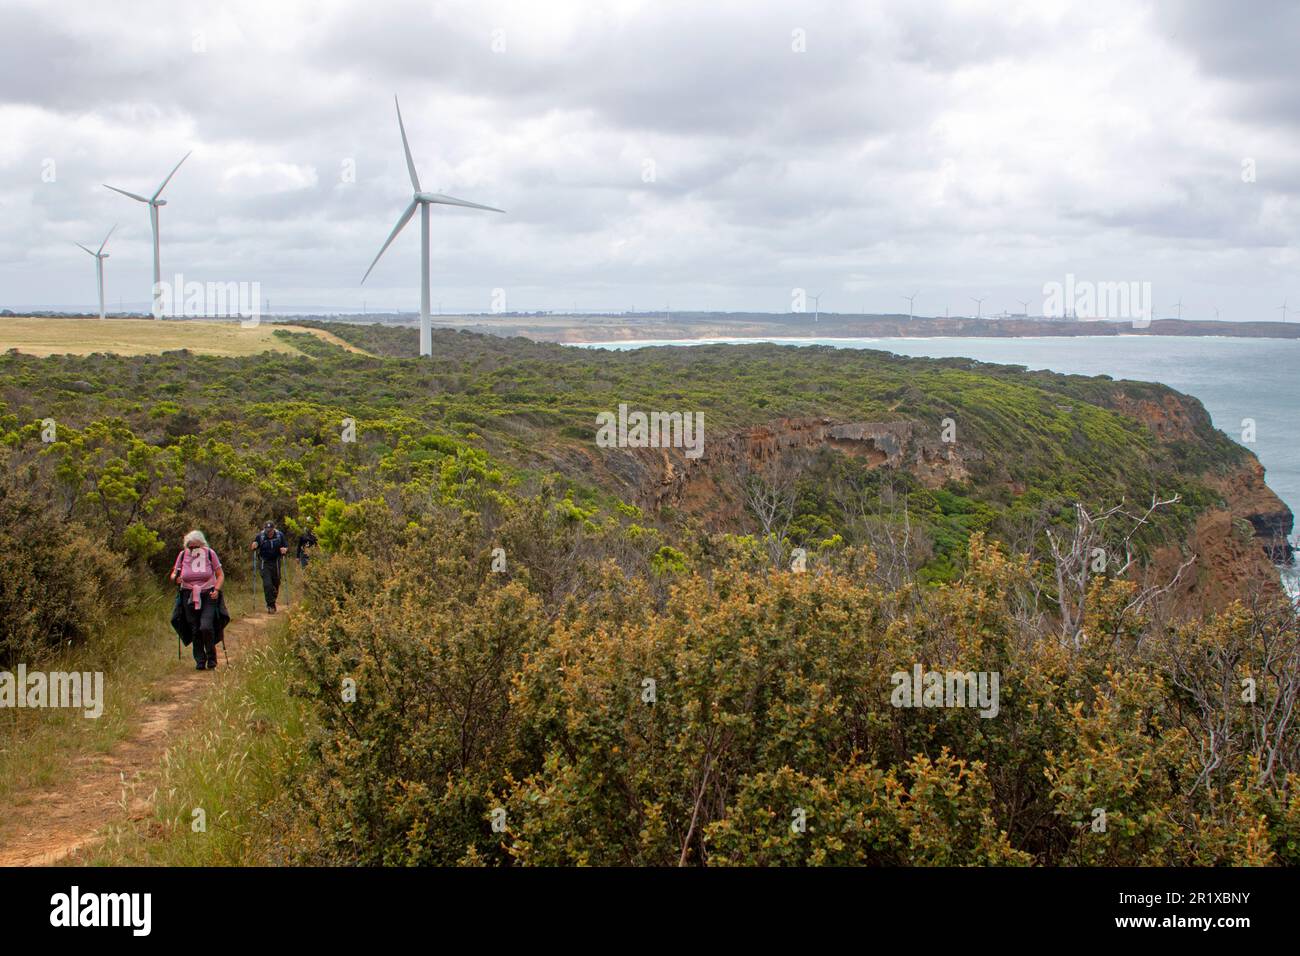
(196, 535)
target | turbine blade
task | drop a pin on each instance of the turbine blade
(406, 217)
(125, 193)
(80, 246)
(105, 242)
(170, 175)
(410, 163)
(452, 201)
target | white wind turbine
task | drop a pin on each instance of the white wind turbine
(100, 256)
(911, 300)
(423, 200)
(1283, 308)
(154, 204)
(1025, 304)
(979, 307)
(817, 305)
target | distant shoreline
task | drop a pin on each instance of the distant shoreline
(591, 330)
(611, 329)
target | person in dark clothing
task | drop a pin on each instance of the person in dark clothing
(198, 573)
(306, 543)
(270, 545)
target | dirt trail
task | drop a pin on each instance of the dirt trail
(47, 826)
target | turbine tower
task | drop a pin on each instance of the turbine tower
(1283, 308)
(979, 307)
(423, 200)
(911, 299)
(817, 305)
(1179, 306)
(100, 256)
(154, 204)
(1025, 304)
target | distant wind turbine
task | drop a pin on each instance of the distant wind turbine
(422, 200)
(817, 305)
(1216, 312)
(1283, 308)
(154, 204)
(1179, 306)
(911, 299)
(979, 306)
(1025, 304)
(100, 256)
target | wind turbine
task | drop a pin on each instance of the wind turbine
(979, 307)
(1283, 308)
(1025, 304)
(910, 300)
(1179, 306)
(154, 204)
(100, 256)
(1216, 313)
(423, 200)
(817, 305)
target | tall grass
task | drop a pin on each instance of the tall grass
(240, 746)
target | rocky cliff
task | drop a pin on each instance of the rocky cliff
(705, 486)
(1238, 543)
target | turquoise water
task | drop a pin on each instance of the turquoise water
(1233, 378)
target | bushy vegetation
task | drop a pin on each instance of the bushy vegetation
(615, 685)
(59, 583)
(622, 719)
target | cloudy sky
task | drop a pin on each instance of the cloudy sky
(710, 155)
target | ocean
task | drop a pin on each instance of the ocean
(1235, 379)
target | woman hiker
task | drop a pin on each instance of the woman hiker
(198, 572)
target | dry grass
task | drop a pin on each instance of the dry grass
(45, 336)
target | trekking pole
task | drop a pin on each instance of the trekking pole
(178, 633)
(253, 582)
(287, 569)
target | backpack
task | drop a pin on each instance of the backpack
(269, 545)
(202, 561)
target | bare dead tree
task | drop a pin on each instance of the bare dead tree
(1076, 557)
(878, 515)
(1229, 723)
(770, 492)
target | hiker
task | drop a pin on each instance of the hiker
(202, 614)
(306, 541)
(270, 545)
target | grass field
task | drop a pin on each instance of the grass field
(45, 336)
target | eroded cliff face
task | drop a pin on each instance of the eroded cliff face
(1173, 417)
(1230, 565)
(706, 486)
(1247, 497)
(1237, 544)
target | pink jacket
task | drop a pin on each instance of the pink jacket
(198, 571)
